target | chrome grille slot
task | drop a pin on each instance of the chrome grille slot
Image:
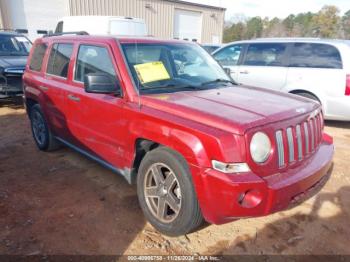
(280, 148)
(290, 144)
(306, 131)
(317, 133)
(319, 128)
(312, 134)
(299, 141)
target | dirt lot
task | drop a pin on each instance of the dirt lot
(63, 203)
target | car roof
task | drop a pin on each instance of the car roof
(106, 38)
(334, 42)
(293, 39)
(10, 33)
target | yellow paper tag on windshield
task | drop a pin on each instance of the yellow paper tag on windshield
(151, 72)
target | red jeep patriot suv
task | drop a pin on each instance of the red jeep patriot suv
(165, 115)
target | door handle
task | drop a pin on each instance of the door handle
(74, 98)
(244, 72)
(43, 88)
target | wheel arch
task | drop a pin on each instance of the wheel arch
(141, 147)
(29, 103)
(186, 145)
(299, 91)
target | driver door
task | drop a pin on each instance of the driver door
(98, 122)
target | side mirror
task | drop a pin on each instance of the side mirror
(101, 83)
(228, 71)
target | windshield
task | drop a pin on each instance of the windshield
(171, 67)
(14, 45)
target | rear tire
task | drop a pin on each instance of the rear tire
(166, 193)
(43, 137)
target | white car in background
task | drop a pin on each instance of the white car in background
(314, 68)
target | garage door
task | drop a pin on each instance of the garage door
(187, 25)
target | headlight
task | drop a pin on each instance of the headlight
(260, 147)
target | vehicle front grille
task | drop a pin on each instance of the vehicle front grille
(10, 84)
(296, 142)
(14, 81)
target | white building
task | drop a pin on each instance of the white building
(164, 18)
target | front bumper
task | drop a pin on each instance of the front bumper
(220, 194)
(11, 86)
(338, 108)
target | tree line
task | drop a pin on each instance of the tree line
(327, 23)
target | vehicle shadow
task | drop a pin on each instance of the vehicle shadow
(320, 228)
(60, 202)
(13, 102)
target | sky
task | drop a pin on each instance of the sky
(273, 8)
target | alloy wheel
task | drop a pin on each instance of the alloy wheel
(39, 129)
(162, 192)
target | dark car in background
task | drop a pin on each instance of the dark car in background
(14, 51)
(210, 48)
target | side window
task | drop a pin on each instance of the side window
(37, 57)
(315, 56)
(59, 27)
(93, 59)
(229, 56)
(59, 59)
(265, 54)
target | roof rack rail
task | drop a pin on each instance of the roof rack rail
(67, 33)
(19, 31)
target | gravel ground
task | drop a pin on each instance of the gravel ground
(63, 203)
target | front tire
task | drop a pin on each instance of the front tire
(166, 194)
(43, 137)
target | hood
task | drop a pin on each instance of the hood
(234, 109)
(13, 61)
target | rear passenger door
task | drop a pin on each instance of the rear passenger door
(229, 57)
(55, 85)
(316, 68)
(264, 65)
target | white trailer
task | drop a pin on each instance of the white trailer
(103, 25)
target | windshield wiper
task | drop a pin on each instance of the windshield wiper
(171, 86)
(219, 80)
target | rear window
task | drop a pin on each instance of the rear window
(315, 56)
(59, 59)
(37, 57)
(265, 55)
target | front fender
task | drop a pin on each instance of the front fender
(185, 143)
